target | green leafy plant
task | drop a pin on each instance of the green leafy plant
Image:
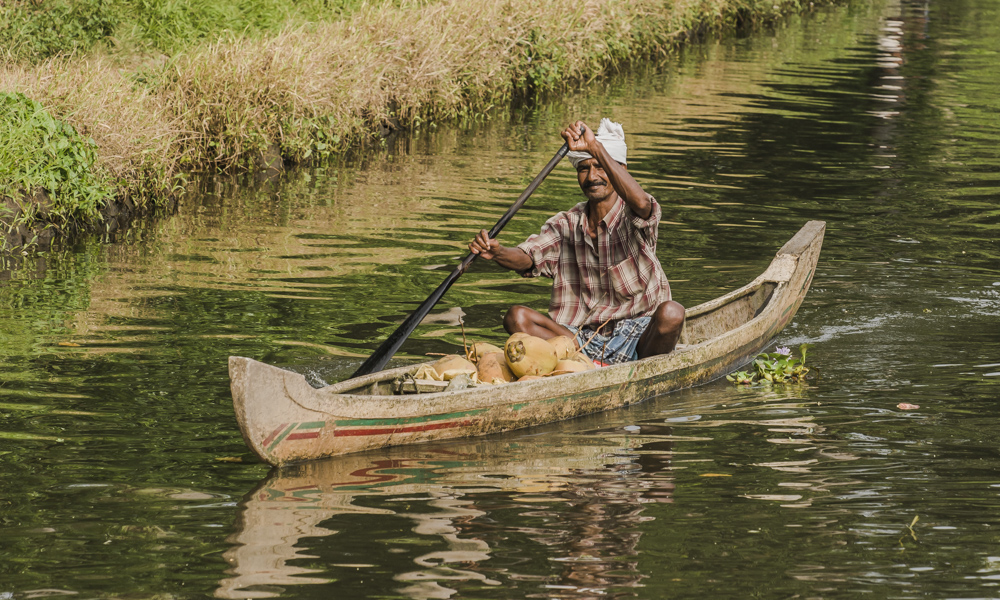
(38, 151)
(741, 377)
(780, 366)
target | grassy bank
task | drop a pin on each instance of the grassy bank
(135, 110)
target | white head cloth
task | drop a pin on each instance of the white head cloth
(612, 137)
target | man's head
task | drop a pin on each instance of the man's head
(612, 137)
(593, 180)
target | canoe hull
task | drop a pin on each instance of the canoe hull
(285, 420)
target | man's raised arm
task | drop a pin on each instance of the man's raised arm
(625, 185)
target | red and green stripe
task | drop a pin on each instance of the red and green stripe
(356, 427)
(360, 427)
(293, 431)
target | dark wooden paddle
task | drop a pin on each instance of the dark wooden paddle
(384, 352)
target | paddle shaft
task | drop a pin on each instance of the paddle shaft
(384, 352)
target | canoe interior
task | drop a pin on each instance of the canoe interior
(703, 323)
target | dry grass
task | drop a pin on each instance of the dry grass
(323, 87)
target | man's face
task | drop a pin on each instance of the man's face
(593, 180)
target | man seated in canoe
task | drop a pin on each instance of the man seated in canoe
(609, 291)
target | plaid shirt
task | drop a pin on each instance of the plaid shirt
(616, 276)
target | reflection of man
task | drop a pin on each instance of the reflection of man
(608, 288)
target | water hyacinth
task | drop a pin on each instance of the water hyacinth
(779, 366)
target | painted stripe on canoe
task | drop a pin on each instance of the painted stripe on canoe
(281, 437)
(805, 282)
(274, 434)
(302, 432)
(405, 429)
(408, 420)
(311, 430)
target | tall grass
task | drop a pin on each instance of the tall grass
(38, 29)
(312, 88)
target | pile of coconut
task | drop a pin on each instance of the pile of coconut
(523, 358)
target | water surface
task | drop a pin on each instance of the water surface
(879, 118)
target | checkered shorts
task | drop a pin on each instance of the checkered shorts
(616, 348)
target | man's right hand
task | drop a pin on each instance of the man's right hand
(514, 259)
(484, 246)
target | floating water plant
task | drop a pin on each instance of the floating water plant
(780, 366)
(741, 377)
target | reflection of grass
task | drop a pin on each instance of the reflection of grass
(41, 408)
(322, 348)
(23, 437)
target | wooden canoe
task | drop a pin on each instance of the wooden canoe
(285, 420)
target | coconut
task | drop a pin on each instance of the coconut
(564, 346)
(529, 355)
(568, 366)
(481, 349)
(516, 336)
(493, 368)
(583, 359)
(447, 367)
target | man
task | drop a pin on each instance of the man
(609, 291)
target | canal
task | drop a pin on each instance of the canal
(123, 473)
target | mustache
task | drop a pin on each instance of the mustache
(591, 184)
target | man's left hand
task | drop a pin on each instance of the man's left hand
(579, 142)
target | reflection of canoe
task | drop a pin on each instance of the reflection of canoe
(284, 419)
(281, 522)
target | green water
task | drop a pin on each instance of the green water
(879, 118)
